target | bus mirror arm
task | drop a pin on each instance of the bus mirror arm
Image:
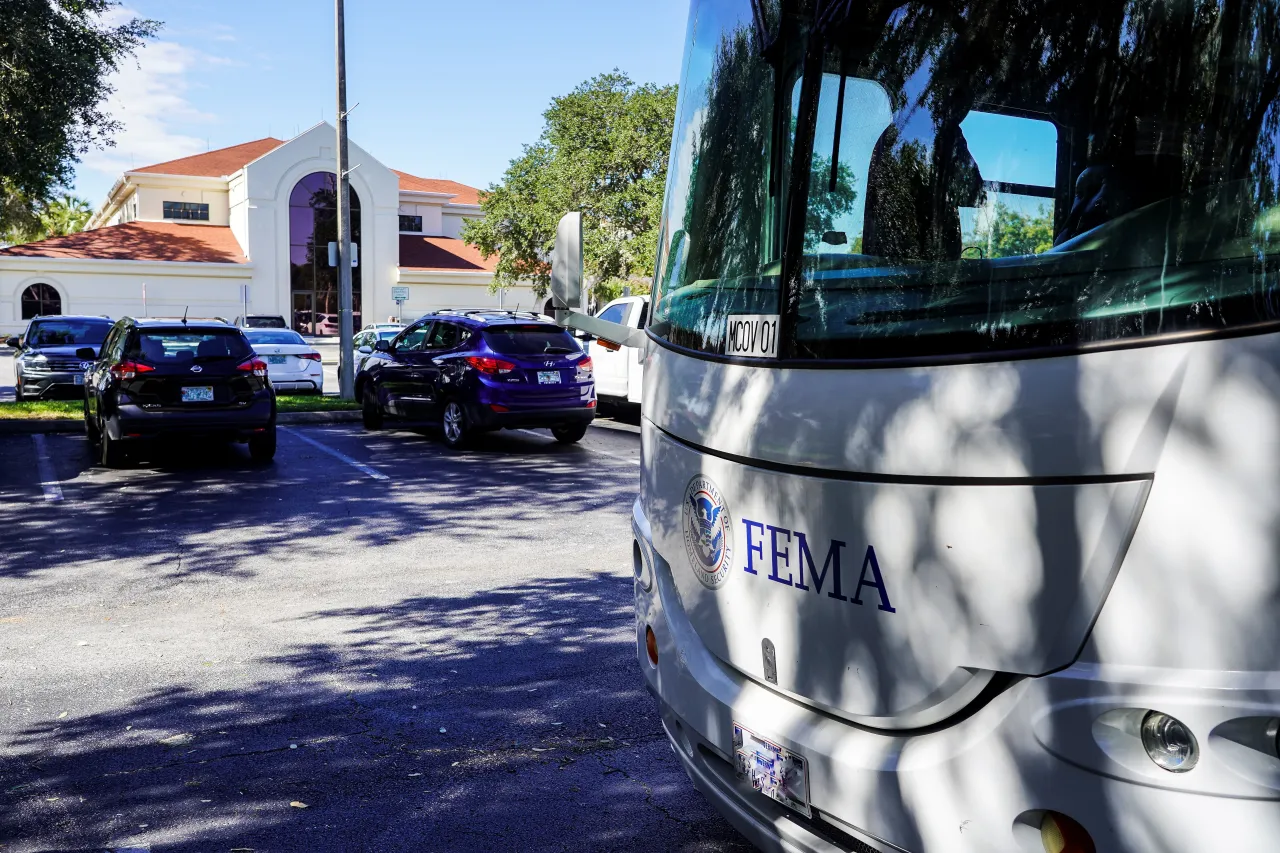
(615, 333)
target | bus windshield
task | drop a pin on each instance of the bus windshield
(973, 178)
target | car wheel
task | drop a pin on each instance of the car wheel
(370, 410)
(453, 424)
(113, 452)
(262, 446)
(569, 433)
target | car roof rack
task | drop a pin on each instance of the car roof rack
(500, 312)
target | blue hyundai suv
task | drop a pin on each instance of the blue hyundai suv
(476, 371)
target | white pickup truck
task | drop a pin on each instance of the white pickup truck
(620, 370)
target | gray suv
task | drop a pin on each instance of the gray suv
(46, 366)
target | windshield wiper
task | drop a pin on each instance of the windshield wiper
(554, 350)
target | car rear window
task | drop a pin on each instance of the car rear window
(274, 337)
(174, 346)
(530, 340)
(265, 323)
(52, 333)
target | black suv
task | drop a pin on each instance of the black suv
(46, 365)
(161, 378)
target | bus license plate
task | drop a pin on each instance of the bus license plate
(548, 377)
(778, 773)
(198, 394)
(277, 359)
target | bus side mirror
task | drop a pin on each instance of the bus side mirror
(566, 266)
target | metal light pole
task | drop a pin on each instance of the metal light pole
(346, 379)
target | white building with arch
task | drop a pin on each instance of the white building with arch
(247, 227)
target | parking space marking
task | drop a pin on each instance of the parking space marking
(588, 449)
(337, 454)
(48, 479)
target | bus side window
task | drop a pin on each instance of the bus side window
(1017, 157)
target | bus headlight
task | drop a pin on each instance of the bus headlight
(1169, 743)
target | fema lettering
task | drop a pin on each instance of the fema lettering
(779, 563)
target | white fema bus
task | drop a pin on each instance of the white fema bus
(959, 522)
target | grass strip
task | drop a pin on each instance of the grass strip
(74, 409)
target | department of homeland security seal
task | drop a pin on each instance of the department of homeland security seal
(708, 532)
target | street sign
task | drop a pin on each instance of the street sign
(333, 254)
(400, 294)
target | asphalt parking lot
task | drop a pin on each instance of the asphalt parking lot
(371, 644)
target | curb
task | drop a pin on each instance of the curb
(31, 426)
(349, 416)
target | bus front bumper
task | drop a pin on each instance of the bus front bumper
(980, 784)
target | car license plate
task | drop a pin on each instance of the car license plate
(198, 394)
(277, 359)
(778, 773)
(79, 378)
(548, 377)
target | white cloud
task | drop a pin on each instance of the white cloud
(150, 101)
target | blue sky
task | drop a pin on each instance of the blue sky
(446, 89)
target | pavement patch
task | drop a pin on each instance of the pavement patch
(337, 454)
(48, 479)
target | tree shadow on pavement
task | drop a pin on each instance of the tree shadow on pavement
(504, 719)
(215, 513)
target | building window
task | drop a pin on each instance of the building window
(40, 300)
(186, 210)
(412, 224)
(313, 224)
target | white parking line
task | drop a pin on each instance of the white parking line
(48, 479)
(589, 449)
(336, 454)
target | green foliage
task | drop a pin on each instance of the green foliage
(825, 204)
(66, 214)
(603, 151)
(1012, 233)
(19, 216)
(55, 58)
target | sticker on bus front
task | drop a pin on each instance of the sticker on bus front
(752, 335)
(777, 773)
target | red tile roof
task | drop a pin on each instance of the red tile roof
(464, 193)
(140, 241)
(442, 253)
(216, 164)
(228, 161)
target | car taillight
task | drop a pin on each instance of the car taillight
(129, 369)
(584, 369)
(492, 366)
(256, 366)
(309, 356)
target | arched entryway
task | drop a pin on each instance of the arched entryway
(313, 224)
(40, 300)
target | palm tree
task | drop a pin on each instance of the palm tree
(65, 215)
